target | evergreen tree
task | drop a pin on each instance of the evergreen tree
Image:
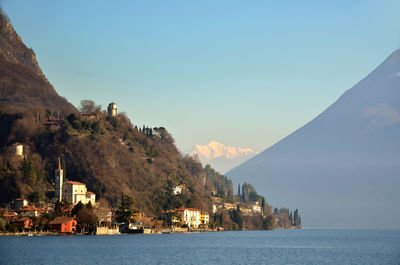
(239, 191)
(262, 205)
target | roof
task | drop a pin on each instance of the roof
(90, 193)
(74, 182)
(22, 219)
(61, 220)
(189, 209)
(28, 208)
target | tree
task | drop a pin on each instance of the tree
(89, 106)
(76, 209)
(239, 190)
(262, 206)
(127, 210)
(236, 217)
(269, 222)
(87, 220)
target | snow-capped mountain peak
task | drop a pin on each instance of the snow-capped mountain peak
(222, 157)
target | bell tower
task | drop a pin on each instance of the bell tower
(58, 183)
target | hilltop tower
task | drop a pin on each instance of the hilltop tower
(112, 110)
(59, 179)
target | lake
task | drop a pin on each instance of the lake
(302, 246)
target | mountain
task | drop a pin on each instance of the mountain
(221, 157)
(22, 82)
(342, 168)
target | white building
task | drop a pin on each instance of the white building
(112, 110)
(74, 192)
(190, 216)
(18, 149)
(178, 189)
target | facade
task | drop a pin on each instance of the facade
(189, 216)
(204, 218)
(63, 224)
(58, 182)
(74, 192)
(112, 110)
(256, 208)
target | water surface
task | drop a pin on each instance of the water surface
(306, 246)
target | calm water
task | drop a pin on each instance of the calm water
(306, 246)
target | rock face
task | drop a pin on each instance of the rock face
(221, 157)
(12, 48)
(22, 82)
(342, 168)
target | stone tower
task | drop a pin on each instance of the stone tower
(59, 179)
(19, 149)
(112, 110)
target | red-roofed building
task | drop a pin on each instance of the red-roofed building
(64, 224)
(74, 192)
(89, 115)
(30, 211)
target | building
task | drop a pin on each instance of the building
(74, 192)
(89, 115)
(18, 149)
(64, 224)
(59, 180)
(229, 206)
(16, 204)
(256, 208)
(112, 110)
(204, 218)
(178, 189)
(53, 123)
(30, 211)
(23, 223)
(71, 191)
(189, 216)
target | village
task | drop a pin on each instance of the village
(72, 209)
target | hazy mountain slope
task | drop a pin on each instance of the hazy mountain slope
(22, 82)
(221, 157)
(343, 167)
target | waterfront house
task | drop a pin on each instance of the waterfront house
(64, 224)
(204, 218)
(22, 223)
(189, 216)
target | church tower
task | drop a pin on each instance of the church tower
(59, 179)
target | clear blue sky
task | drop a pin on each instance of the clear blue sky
(244, 73)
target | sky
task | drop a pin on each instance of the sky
(243, 73)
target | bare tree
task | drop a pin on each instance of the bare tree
(89, 106)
